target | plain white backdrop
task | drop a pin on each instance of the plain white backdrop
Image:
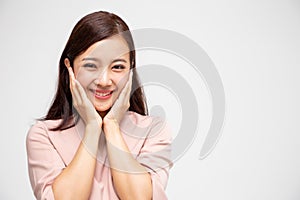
(255, 46)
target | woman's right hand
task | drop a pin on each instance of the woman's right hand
(82, 104)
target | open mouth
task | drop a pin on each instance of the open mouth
(102, 94)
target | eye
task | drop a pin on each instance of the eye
(90, 65)
(118, 67)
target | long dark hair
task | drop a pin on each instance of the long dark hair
(90, 29)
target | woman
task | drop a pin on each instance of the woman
(97, 142)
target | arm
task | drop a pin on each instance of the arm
(46, 167)
(44, 163)
(130, 178)
(76, 180)
(154, 157)
(49, 177)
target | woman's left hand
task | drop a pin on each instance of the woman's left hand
(121, 104)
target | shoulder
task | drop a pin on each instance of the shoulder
(148, 126)
(144, 120)
(40, 129)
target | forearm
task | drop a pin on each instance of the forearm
(131, 179)
(76, 180)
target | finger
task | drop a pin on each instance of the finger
(72, 78)
(130, 75)
(128, 85)
(77, 93)
(81, 92)
(124, 94)
(129, 81)
(71, 74)
(78, 86)
(73, 82)
(76, 96)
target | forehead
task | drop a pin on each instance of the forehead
(107, 49)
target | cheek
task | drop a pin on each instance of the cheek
(121, 81)
(83, 78)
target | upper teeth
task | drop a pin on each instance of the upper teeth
(102, 94)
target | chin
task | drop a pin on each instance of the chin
(102, 108)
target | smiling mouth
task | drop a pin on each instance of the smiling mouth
(102, 94)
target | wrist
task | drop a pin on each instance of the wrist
(110, 127)
(110, 122)
(94, 123)
(93, 127)
(91, 139)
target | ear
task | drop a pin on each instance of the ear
(67, 62)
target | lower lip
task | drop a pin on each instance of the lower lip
(102, 97)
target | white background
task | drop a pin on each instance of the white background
(255, 45)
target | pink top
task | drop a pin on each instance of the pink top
(49, 152)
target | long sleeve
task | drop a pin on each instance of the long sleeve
(44, 162)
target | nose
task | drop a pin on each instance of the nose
(103, 79)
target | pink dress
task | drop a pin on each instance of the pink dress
(49, 152)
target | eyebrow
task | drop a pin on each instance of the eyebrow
(119, 60)
(97, 60)
(89, 58)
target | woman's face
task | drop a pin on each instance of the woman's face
(103, 70)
